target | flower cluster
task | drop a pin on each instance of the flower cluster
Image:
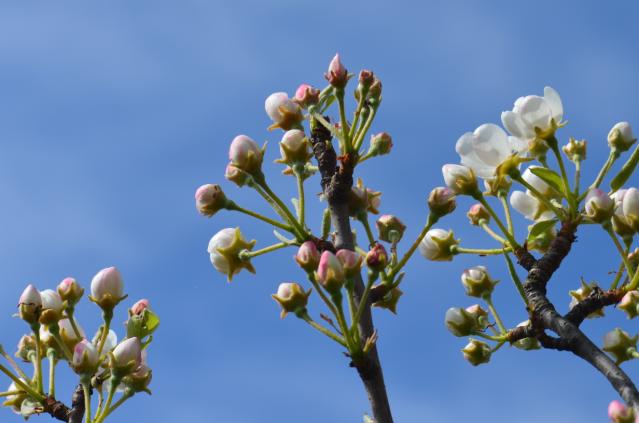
(57, 336)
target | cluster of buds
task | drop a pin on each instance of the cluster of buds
(58, 336)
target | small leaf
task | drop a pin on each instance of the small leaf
(296, 204)
(541, 227)
(625, 172)
(550, 177)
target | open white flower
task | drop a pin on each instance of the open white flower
(532, 112)
(526, 204)
(486, 148)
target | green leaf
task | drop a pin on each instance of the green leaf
(628, 168)
(550, 177)
(540, 227)
(152, 320)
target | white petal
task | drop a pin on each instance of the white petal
(524, 204)
(512, 121)
(535, 112)
(554, 101)
(517, 145)
(491, 144)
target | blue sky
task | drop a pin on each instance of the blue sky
(113, 113)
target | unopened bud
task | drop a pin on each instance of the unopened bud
(291, 297)
(575, 150)
(330, 273)
(52, 307)
(630, 304)
(224, 251)
(139, 379)
(460, 179)
(442, 201)
(107, 288)
(306, 96)
(377, 258)
(478, 214)
(127, 355)
(620, 344)
(620, 137)
(460, 322)
(26, 347)
(599, 207)
(619, 413)
(139, 307)
(236, 175)
(284, 112)
(351, 262)
(390, 228)
(336, 75)
(437, 245)
(308, 256)
(477, 352)
(245, 154)
(209, 199)
(478, 282)
(295, 148)
(30, 304)
(70, 291)
(381, 144)
(581, 294)
(85, 358)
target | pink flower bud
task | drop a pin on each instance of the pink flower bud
(295, 148)
(236, 175)
(441, 201)
(70, 291)
(127, 354)
(619, 413)
(245, 154)
(209, 199)
(621, 137)
(477, 214)
(351, 262)
(377, 258)
(139, 307)
(337, 75)
(85, 357)
(306, 96)
(30, 304)
(308, 256)
(107, 288)
(366, 77)
(330, 273)
(283, 111)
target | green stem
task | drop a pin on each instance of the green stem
(567, 192)
(497, 338)
(289, 216)
(235, 207)
(22, 385)
(13, 364)
(432, 219)
(364, 300)
(622, 252)
(480, 197)
(87, 399)
(53, 361)
(54, 329)
(618, 276)
(358, 112)
(339, 93)
(36, 333)
(577, 178)
(107, 316)
(612, 157)
(341, 320)
(9, 393)
(301, 199)
(367, 227)
(498, 346)
(352, 309)
(246, 254)
(506, 206)
(319, 290)
(115, 406)
(323, 330)
(361, 133)
(480, 251)
(113, 385)
(74, 326)
(365, 157)
(515, 278)
(489, 231)
(493, 310)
